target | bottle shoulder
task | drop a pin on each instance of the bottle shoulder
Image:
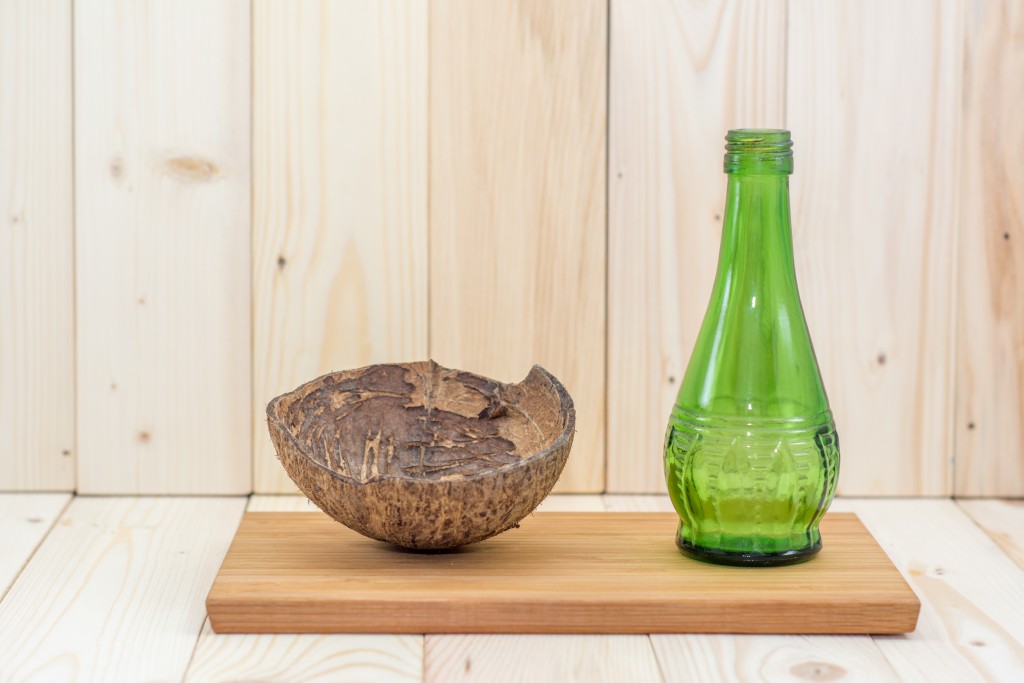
(795, 419)
(755, 360)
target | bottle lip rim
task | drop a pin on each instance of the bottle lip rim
(758, 150)
(742, 140)
(757, 134)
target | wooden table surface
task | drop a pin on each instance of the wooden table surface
(112, 589)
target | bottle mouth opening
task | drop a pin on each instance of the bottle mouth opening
(758, 151)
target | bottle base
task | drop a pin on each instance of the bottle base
(737, 559)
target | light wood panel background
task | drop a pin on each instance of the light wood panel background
(495, 184)
(37, 340)
(339, 196)
(517, 172)
(990, 358)
(162, 178)
(874, 208)
(666, 193)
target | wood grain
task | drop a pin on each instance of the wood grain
(990, 343)
(682, 74)
(972, 595)
(779, 659)
(115, 591)
(162, 215)
(540, 659)
(307, 658)
(559, 573)
(874, 221)
(339, 196)
(25, 518)
(37, 349)
(739, 658)
(517, 178)
(531, 658)
(1003, 521)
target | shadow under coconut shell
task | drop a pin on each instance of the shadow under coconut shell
(423, 456)
(457, 550)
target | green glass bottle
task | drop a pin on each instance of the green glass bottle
(751, 453)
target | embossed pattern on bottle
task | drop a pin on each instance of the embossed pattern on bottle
(750, 485)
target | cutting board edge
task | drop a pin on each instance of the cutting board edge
(888, 617)
(898, 615)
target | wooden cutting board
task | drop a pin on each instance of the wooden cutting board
(561, 572)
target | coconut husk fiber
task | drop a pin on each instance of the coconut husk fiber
(424, 456)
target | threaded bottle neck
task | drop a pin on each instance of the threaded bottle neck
(758, 151)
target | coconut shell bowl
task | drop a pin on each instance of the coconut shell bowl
(422, 456)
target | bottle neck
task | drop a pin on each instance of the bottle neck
(753, 357)
(756, 256)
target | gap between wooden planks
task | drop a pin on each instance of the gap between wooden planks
(340, 658)
(115, 590)
(25, 519)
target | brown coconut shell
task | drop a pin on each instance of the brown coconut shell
(423, 456)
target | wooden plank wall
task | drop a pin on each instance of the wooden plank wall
(162, 174)
(681, 75)
(874, 211)
(339, 195)
(990, 349)
(37, 341)
(517, 177)
(494, 184)
(871, 92)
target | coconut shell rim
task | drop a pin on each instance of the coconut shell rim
(566, 406)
